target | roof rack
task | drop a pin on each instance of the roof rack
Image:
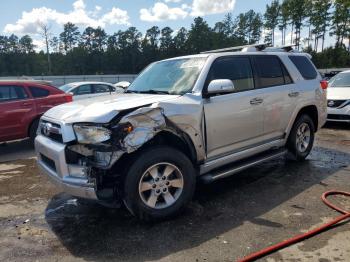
(245, 48)
(255, 48)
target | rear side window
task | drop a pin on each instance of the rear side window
(102, 88)
(237, 69)
(38, 92)
(303, 64)
(9, 93)
(269, 71)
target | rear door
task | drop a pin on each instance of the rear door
(233, 121)
(16, 110)
(43, 98)
(280, 94)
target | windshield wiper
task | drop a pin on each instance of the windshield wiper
(132, 91)
(152, 91)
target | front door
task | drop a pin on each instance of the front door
(233, 121)
(15, 110)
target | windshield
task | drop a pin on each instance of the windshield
(168, 77)
(340, 80)
(66, 87)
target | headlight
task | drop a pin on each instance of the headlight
(91, 134)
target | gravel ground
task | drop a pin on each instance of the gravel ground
(226, 220)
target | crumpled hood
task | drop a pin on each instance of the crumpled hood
(102, 109)
(338, 93)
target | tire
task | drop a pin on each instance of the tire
(303, 130)
(152, 204)
(32, 131)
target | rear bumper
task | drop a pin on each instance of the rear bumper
(71, 179)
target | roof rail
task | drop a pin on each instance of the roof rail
(285, 48)
(245, 48)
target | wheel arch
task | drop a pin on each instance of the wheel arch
(310, 110)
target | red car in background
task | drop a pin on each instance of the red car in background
(22, 103)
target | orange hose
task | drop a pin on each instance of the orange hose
(298, 238)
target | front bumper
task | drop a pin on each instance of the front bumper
(71, 179)
(339, 114)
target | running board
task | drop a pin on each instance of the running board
(241, 165)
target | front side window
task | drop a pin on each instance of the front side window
(9, 93)
(82, 90)
(269, 71)
(340, 80)
(176, 76)
(237, 69)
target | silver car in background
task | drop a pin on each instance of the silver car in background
(84, 90)
(338, 98)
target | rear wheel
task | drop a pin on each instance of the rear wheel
(32, 130)
(301, 137)
(159, 183)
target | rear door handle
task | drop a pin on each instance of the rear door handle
(256, 101)
(293, 94)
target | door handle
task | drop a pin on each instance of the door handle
(293, 94)
(256, 101)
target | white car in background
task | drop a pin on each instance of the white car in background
(84, 90)
(338, 98)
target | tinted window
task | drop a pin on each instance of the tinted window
(304, 66)
(102, 88)
(82, 90)
(269, 71)
(38, 92)
(8, 93)
(237, 69)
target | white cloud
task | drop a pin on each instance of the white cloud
(39, 45)
(29, 22)
(161, 12)
(172, 1)
(115, 17)
(207, 7)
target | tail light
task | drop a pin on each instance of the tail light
(68, 97)
(324, 84)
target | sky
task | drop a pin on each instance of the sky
(23, 17)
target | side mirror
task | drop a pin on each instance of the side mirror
(122, 84)
(220, 86)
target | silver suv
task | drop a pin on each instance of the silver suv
(205, 116)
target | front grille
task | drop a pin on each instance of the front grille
(335, 103)
(49, 162)
(51, 130)
(338, 117)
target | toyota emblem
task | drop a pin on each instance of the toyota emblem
(46, 129)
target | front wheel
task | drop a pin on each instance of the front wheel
(159, 184)
(301, 137)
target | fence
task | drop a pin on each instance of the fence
(62, 80)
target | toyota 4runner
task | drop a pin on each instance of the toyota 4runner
(205, 116)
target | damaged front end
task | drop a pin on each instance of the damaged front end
(98, 148)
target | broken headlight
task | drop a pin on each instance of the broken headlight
(89, 134)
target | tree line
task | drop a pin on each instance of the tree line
(93, 51)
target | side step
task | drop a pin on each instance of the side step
(241, 165)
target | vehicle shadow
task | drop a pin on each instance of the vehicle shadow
(337, 125)
(93, 232)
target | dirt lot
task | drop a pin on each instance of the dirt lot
(226, 220)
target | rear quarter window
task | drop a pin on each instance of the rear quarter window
(38, 92)
(304, 66)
